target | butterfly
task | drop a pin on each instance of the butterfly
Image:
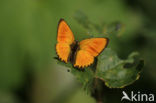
(80, 54)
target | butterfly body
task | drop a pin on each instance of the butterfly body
(74, 48)
(80, 54)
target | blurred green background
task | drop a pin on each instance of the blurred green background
(28, 73)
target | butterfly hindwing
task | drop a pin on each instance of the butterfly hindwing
(63, 51)
(65, 39)
(88, 50)
(83, 59)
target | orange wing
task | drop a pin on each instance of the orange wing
(89, 48)
(65, 38)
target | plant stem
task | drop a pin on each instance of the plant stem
(97, 94)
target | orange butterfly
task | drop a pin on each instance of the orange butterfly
(81, 54)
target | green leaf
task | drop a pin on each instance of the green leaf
(81, 18)
(84, 76)
(117, 73)
(98, 30)
(115, 28)
(92, 29)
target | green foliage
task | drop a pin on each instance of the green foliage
(98, 30)
(83, 76)
(118, 73)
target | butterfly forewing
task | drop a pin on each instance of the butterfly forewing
(64, 33)
(65, 38)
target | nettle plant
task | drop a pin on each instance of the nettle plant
(107, 68)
